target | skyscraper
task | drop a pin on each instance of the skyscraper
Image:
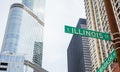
(23, 38)
(97, 20)
(78, 52)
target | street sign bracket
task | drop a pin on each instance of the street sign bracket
(116, 38)
(117, 43)
(115, 33)
(117, 48)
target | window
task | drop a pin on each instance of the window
(118, 10)
(116, 5)
(115, 0)
(119, 16)
(3, 63)
(3, 69)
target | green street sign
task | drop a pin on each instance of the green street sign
(107, 61)
(87, 33)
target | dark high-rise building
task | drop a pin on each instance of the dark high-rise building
(37, 53)
(78, 52)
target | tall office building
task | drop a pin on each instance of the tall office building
(23, 39)
(78, 52)
(97, 20)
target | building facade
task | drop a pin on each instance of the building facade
(97, 20)
(37, 53)
(11, 63)
(78, 52)
(23, 37)
(116, 9)
(28, 3)
(37, 6)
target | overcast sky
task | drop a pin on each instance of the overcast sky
(57, 14)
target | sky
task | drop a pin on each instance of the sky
(58, 13)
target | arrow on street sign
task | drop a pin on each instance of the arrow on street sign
(107, 61)
(87, 33)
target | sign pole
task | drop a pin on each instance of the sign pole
(113, 28)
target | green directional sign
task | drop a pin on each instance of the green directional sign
(107, 61)
(87, 33)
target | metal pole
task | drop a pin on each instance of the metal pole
(113, 28)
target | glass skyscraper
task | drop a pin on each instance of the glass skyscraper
(23, 37)
(78, 53)
(11, 36)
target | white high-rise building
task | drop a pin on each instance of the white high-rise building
(97, 20)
